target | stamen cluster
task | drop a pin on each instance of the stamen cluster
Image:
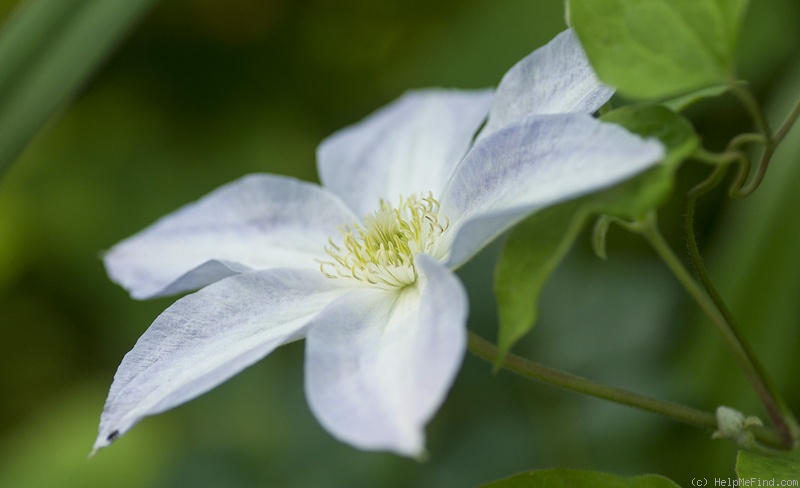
(381, 251)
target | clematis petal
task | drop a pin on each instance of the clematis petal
(256, 222)
(409, 146)
(541, 161)
(207, 337)
(379, 363)
(556, 78)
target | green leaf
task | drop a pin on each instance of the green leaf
(657, 48)
(531, 253)
(682, 101)
(538, 244)
(653, 120)
(638, 196)
(47, 51)
(779, 468)
(559, 478)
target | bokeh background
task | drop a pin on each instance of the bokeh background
(204, 91)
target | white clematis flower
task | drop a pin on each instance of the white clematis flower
(361, 267)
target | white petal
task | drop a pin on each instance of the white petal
(541, 161)
(556, 78)
(207, 337)
(379, 364)
(409, 146)
(257, 222)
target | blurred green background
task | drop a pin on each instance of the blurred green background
(204, 91)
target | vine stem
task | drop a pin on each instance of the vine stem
(713, 306)
(770, 140)
(538, 372)
(751, 104)
(787, 124)
(484, 349)
(724, 159)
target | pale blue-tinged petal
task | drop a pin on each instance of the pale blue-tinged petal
(541, 161)
(410, 146)
(556, 78)
(256, 222)
(206, 337)
(379, 363)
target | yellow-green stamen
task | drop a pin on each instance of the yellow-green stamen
(381, 251)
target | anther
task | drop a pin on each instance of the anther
(381, 250)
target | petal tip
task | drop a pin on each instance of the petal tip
(104, 440)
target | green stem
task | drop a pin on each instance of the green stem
(528, 369)
(716, 159)
(770, 141)
(484, 349)
(751, 105)
(787, 124)
(715, 309)
(765, 136)
(770, 145)
(746, 138)
(760, 173)
(723, 159)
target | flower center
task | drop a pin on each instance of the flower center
(381, 251)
